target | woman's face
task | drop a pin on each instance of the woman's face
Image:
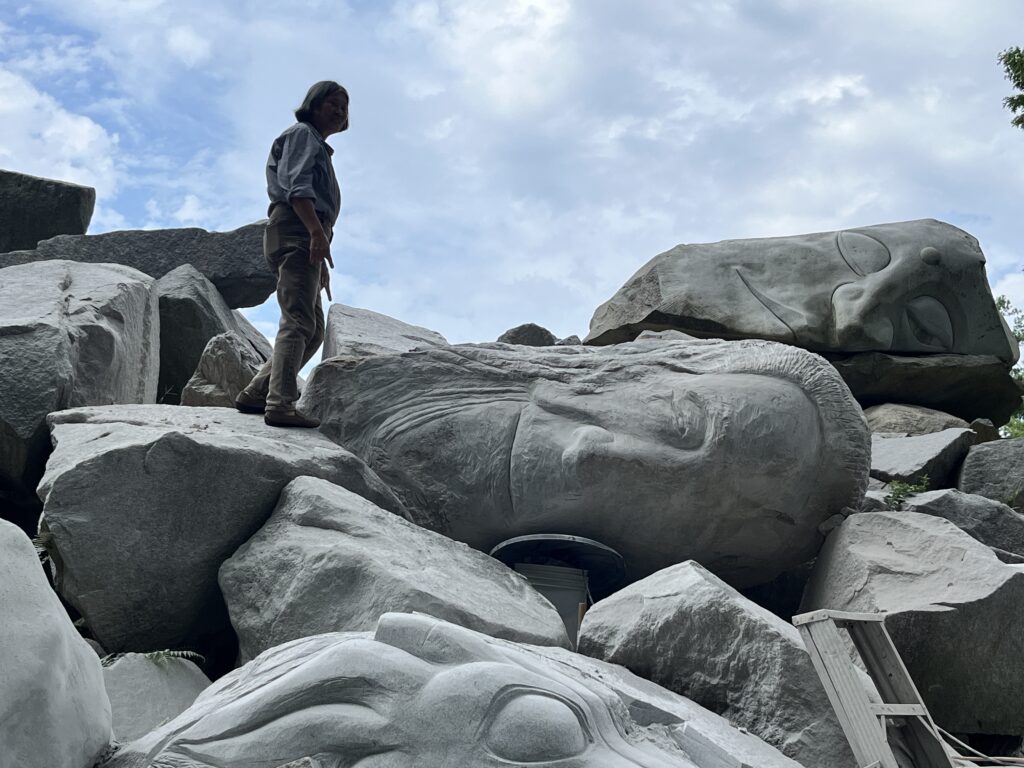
(670, 467)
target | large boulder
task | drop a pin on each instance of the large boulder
(53, 707)
(421, 692)
(226, 367)
(968, 386)
(355, 332)
(688, 631)
(988, 521)
(232, 261)
(914, 287)
(323, 541)
(70, 335)
(144, 503)
(35, 209)
(995, 470)
(728, 453)
(935, 455)
(146, 691)
(530, 335)
(192, 312)
(951, 607)
(910, 419)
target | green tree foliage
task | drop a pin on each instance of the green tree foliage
(1015, 319)
(1012, 60)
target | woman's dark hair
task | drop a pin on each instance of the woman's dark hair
(315, 97)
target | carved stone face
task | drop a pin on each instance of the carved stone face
(731, 454)
(914, 287)
(722, 458)
(420, 694)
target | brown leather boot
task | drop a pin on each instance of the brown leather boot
(291, 418)
(246, 403)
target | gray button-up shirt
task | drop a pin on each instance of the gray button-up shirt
(300, 166)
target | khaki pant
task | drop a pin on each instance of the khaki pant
(286, 246)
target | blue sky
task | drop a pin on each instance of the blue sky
(516, 161)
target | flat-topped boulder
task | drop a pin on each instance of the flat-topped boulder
(728, 453)
(988, 521)
(915, 287)
(70, 335)
(910, 419)
(421, 692)
(36, 209)
(356, 332)
(144, 503)
(952, 607)
(936, 456)
(54, 710)
(233, 261)
(323, 541)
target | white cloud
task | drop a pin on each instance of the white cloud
(824, 91)
(42, 138)
(191, 48)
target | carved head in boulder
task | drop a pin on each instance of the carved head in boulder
(419, 693)
(916, 287)
(728, 453)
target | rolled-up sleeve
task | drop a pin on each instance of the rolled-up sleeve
(295, 168)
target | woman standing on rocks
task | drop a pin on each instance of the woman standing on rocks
(304, 204)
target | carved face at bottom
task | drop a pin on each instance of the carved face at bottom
(423, 693)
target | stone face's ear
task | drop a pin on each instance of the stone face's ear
(432, 640)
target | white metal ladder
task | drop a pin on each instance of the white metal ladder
(863, 721)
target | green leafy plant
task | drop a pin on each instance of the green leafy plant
(1015, 320)
(1012, 60)
(900, 491)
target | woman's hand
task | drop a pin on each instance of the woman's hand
(320, 248)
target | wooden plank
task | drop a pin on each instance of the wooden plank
(899, 710)
(863, 731)
(837, 616)
(896, 687)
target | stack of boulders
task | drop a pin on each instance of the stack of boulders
(208, 591)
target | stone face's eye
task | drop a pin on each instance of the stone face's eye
(536, 728)
(863, 253)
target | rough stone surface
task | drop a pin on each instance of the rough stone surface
(953, 612)
(191, 313)
(226, 366)
(909, 459)
(323, 541)
(232, 261)
(665, 336)
(355, 332)
(985, 430)
(145, 502)
(421, 692)
(731, 454)
(70, 335)
(875, 501)
(995, 470)
(988, 521)
(146, 693)
(910, 419)
(569, 341)
(688, 631)
(529, 335)
(250, 333)
(35, 209)
(913, 287)
(53, 709)
(967, 386)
